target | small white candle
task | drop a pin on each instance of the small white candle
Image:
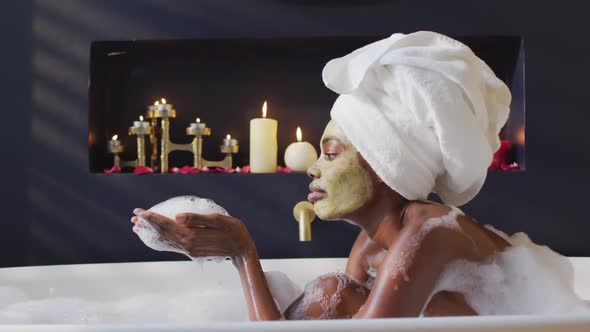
(299, 156)
(114, 141)
(263, 144)
(140, 123)
(115, 145)
(160, 106)
(198, 124)
(228, 141)
(164, 105)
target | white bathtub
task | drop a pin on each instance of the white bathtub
(114, 282)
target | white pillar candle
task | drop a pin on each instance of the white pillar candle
(299, 156)
(263, 144)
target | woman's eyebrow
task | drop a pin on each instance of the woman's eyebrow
(330, 138)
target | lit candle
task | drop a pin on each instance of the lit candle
(114, 141)
(263, 144)
(228, 141)
(299, 156)
(160, 105)
(140, 123)
(115, 145)
(198, 124)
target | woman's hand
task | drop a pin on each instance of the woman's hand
(200, 235)
(203, 235)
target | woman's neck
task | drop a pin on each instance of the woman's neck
(381, 217)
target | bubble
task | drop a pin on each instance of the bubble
(525, 278)
(320, 293)
(170, 208)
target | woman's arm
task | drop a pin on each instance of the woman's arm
(218, 235)
(261, 305)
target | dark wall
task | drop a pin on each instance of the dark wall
(56, 212)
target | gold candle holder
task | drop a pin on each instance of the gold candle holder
(164, 112)
(140, 132)
(149, 114)
(140, 129)
(115, 147)
(197, 143)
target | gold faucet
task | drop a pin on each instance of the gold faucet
(304, 214)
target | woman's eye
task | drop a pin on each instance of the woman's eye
(330, 156)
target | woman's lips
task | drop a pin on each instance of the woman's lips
(316, 194)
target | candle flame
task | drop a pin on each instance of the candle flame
(264, 109)
(198, 120)
(156, 103)
(299, 135)
(520, 136)
(163, 100)
(228, 136)
(115, 137)
(141, 118)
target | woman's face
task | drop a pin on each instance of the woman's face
(342, 181)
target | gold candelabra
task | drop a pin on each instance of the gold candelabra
(164, 112)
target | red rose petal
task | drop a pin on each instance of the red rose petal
(142, 170)
(189, 170)
(284, 169)
(114, 169)
(218, 170)
(243, 170)
(513, 166)
(500, 156)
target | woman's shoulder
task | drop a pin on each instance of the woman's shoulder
(426, 220)
(421, 211)
(427, 216)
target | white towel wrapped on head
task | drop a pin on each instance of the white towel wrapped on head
(423, 110)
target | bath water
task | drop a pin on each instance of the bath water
(523, 279)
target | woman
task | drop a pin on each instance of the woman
(417, 113)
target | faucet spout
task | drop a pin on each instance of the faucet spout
(304, 214)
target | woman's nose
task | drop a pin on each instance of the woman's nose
(313, 171)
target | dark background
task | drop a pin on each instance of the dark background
(55, 211)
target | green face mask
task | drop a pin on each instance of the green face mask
(339, 172)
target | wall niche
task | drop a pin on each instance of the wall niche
(224, 83)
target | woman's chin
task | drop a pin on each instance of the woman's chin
(325, 211)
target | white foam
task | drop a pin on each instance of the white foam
(10, 295)
(282, 288)
(183, 306)
(328, 299)
(523, 279)
(189, 306)
(170, 208)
